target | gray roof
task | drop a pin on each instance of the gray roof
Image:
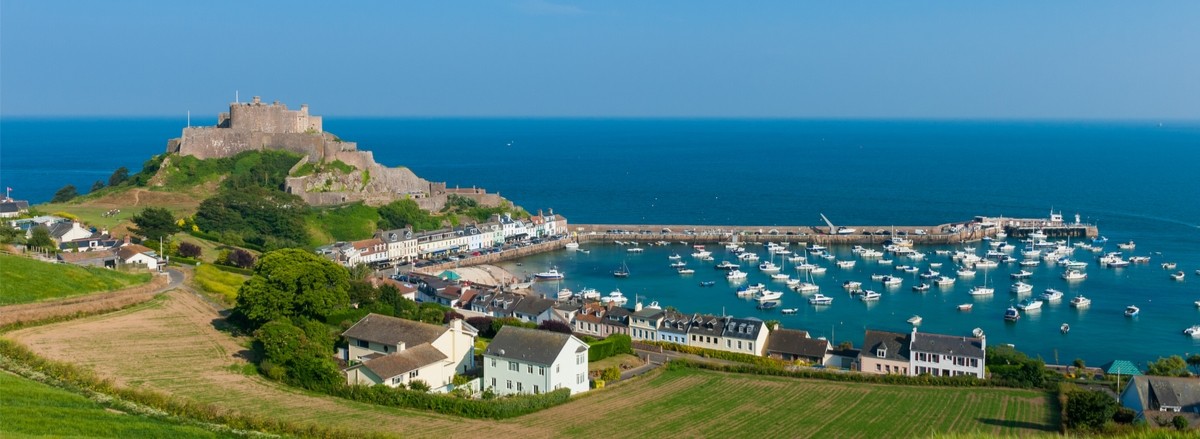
(392, 331)
(57, 230)
(409, 359)
(528, 345)
(707, 325)
(532, 305)
(13, 206)
(895, 343)
(675, 322)
(947, 344)
(743, 328)
(1175, 392)
(794, 342)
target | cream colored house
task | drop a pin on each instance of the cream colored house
(885, 353)
(394, 351)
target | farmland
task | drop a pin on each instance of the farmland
(187, 357)
(24, 280)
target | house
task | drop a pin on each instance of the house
(643, 322)
(138, 254)
(1158, 399)
(10, 208)
(407, 290)
(616, 321)
(674, 327)
(705, 331)
(885, 353)
(534, 309)
(746, 336)
(393, 351)
(401, 244)
(946, 355)
(522, 360)
(64, 231)
(101, 258)
(794, 345)
(96, 242)
(368, 251)
(587, 320)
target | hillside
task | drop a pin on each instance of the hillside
(24, 280)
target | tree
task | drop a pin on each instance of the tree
(240, 258)
(362, 293)
(451, 315)
(40, 238)
(1079, 365)
(119, 176)
(154, 223)
(1180, 422)
(1194, 362)
(1173, 366)
(97, 186)
(1089, 410)
(293, 283)
(360, 271)
(67, 193)
(189, 250)
(418, 385)
(555, 326)
(9, 235)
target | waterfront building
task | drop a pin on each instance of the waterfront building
(884, 353)
(644, 322)
(1159, 398)
(393, 351)
(946, 355)
(745, 336)
(523, 360)
(401, 244)
(674, 327)
(705, 331)
(588, 320)
(10, 208)
(795, 345)
(440, 243)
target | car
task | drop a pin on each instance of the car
(476, 254)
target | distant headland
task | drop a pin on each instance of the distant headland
(332, 171)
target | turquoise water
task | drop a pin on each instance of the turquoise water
(1136, 180)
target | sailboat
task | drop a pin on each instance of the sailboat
(622, 271)
(982, 290)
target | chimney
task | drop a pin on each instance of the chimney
(126, 240)
(637, 307)
(400, 347)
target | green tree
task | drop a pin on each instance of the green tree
(363, 293)
(154, 223)
(1180, 422)
(40, 238)
(1194, 361)
(264, 217)
(360, 271)
(293, 283)
(67, 193)
(404, 213)
(119, 176)
(1079, 365)
(9, 235)
(1173, 366)
(97, 186)
(1089, 410)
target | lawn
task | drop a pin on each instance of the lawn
(193, 360)
(627, 360)
(219, 282)
(24, 280)
(32, 409)
(345, 223)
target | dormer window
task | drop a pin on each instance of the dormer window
(881, 352)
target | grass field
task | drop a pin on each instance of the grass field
(193, 360)
(130, 201)
(24, 280)
(32, 409)
(346, 223)
(222, 283)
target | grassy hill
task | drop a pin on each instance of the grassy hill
(24, 280)
(33, 409)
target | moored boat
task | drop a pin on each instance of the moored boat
(922, 287)
(1080, 302)
(768, 296)
(869, 295)
(1127, 245)
(852, 285)
(551, 274)
(736, 274)
(1021, 288)
(1071, 275)
(767, 305)
(789, 310)
(1051, 295)
(915, 320)
(1132, 311)
(966, 306)
(686, 271)
(820, 299)
(1065, 328)
(1011, 314)
(1193, 331)
(1030, 304)
(1178, 275)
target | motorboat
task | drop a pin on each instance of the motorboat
(818, 270)
(1021, 288)
(726, 265)
(708, 283)
(987, 263)
(1127, 245)
(915, 320)
(585, 251)
(589, 294)
(1030, 304)
(1051, 295)
(615, 298)
(789, 310)
(978, 333)
(1073, 264)
(767, 305)
(878, 277)
(902, 267)
(922, 287)
(564, 294)
(806, 287)
(1178, 275)
(701, 254)
(846, 264)
(792, 283)
(944, 281)
(892, 281)
(768, 267)
(1065, 328)
(1011, 314)
(869, 295)
(935, 265)
(929, 273)
(736, 274)
(911, 269)
(1080, 302)
(966, 272)
(572, 246)
(966, 306)
(551, 274)
(678, 264)
(817, 247)
(820, 299)
(1193, 331)
(1072, 275)
(768, 296)
(635, 250)
(1142, 260)
(686, 271)
(1023, 274)
(852, 285)
(1132, 311)
(675, 257)
(885, 261)
(1029, 263)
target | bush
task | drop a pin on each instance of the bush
(555, 326)
(611, 374)
(1179, 422)
(1088, 410)
(490, 407)
(615, 344)
(189, 250)
(923, 380)
(419, 385)
(722, 355)
(1124, 415)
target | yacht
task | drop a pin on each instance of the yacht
(1051, 295)
(622, 271)
(892, 281)
(552, 274)
(1022, 288)
(686, 271)
(726, 265)
(1127, 245)
(1074, 275)
(911, 269)
(768, 267)
(678, 264)
(980, 290)
(768, 296)
(852, 285)
(589, 294)
(966, 272)
(792, 283)
(675, 257)
(820, 299)
(1071, 263)
(781, 277)
(1132, 311)
(1029, 263)
(915, 320)
(817, 247)
(846, 264)
(1140, 260)
(1030, 304)
(944, 281)
(1178, 275)
(1023, 274)
(885, 261)
(736, 274)
(922, 287)
(1193, 331)
(615, 298)
(1011, 314)
(805, 267)
(789, 310)
(935, 265)
(701, 254)
(818, 270)
(869, 295)
(564, 294)
(929, 274)
(635, 250)
(987, 263)
(878, 277)
(1080, 302)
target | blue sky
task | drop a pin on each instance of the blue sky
(912, 59)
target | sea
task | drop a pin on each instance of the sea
(1136, 180)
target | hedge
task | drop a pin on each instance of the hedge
(920, 380)
(721, 355)
(499, 408)
(615, 344)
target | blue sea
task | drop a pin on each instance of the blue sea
(1135, 180)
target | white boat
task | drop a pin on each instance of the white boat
(564, 294)
(736, 274)
(1038, 234)
(892, 281)
(816, 247)
(966, 306)
(1023, 274)
(1051, 295)
(806, 267)
(1080, 302)
(1178, 275)
(622, 271)
(572, 246)
(818, 270)
(980, 290)
(829, 256)
(1127, 245)
(820, 299)
(792, 283)
(678, 264)
(922, 287)
(702, 254)
(726, 265)
(911, 269)
(944, 281)
(1011, 314)
(1072, 275)
(1071, 263)
(987, 263)
(789, 310)
(781, 277)
(1139, 259)
(589, 294)
(614, 298)
(929, 273)
(846, 264)
(966, 272)
(675, 257)
(1132, 311)
(1030, 304)
(1193, 331)
(935, 265)
(852, 285)
(915, 320)
(1021, 288)
(1029, 263)
(768, 267)
(768, 296)
(552, 274)
(686, 271)
(869, 295)
(1065, 328)
(885, 261)
(584, 251)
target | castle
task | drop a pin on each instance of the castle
(256, 126)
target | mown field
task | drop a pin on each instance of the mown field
(189, 358)
(24, 280)
(33, 409)
(219, 282)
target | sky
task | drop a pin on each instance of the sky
(612, 58)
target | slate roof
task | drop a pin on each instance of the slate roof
(79, 257)
(13, 206)
(794, 342)
(533, 306)
(404, 361)
(1156, 392)
(895, 343)
(708, 325)
(57, 230)
(746, 329)
(527, 345)
(948, 344)
(392, 331)
(675, 322)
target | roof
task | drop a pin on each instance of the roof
(533, 306)
(648, 313)
(794, 342)
(743, 328)
(896, 345)
(392, 331)
(13, 206)
(948, 344)
(528, 345)
(1157, 392)
(449, 275)
(707, 325)
(675, 322)
(1122, 367)
(77, 257)
(57, 230)
(409, 359)
(130, 250)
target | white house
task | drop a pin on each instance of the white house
(522, 360)
(394, 351)
(946, 355)
(138, 254)
(401, 244)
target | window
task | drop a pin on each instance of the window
(414, 373)
(542, 371)
(493, 383)
(579, 359)
(530, 368)
(396, 380)
(536, 390)
(579, 379)
(881, 352)
(519, 387)
(739, 344)
(728, 343)
(493, 362)
(363, 343)
(974, 362)
(557, 368)
(878, 367)
(513, 366)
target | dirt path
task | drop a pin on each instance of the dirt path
(89, 303)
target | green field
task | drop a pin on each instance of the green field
(24, 280)
(33, 409)
(219, 282)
